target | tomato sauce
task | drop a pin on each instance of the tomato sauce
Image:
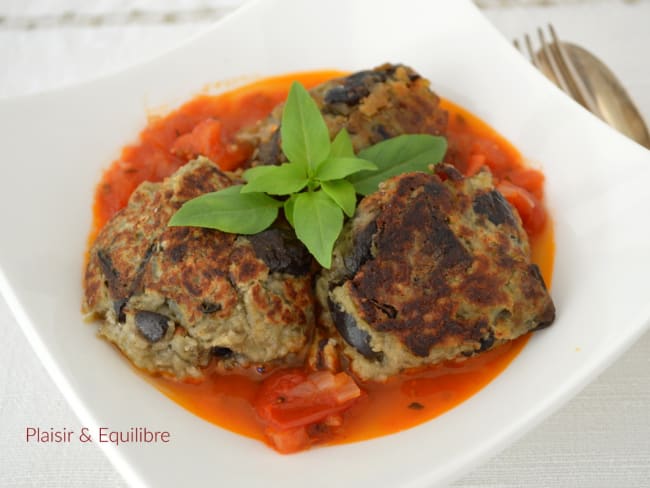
(207, 125)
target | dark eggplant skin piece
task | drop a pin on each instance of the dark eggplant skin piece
(353, 335)
(281, 251)
(360, 252)
(495, 207)
(151, 325)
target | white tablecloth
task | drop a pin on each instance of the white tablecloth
(600, 439)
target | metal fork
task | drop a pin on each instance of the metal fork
(587, 80)
(553, 60)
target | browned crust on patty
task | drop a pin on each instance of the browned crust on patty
(447, 272)
(242, 299)
(125, 245)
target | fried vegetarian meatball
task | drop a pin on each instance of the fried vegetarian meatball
(372, 105)
(430, 270)
(172, 298)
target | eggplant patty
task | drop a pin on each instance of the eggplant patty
(372, 105)
(172, 298)
(429, 270)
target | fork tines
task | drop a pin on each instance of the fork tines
(553, 60)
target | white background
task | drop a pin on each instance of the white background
(600, 439)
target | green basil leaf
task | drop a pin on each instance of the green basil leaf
(337, 168)
(289, 204)
(257, 172)
(318, 222)
(275, 180)
(401, 154)
(228, 210)
(343, 194)
(305, 137)
(342, 145)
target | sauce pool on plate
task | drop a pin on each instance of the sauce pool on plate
(207, 126)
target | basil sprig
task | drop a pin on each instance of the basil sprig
(319, 182)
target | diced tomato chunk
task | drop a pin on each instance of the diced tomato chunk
(287, 441)
(529, 179)
(291, 401)
(529, 208)
(496, 157)
(205, 139)
(208, 139)
(474, 164)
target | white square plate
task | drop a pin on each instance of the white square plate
(56, 144)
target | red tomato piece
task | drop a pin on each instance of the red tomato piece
(287, 441)
(529, 208)
(475, 163)
(205, 139)
(529, 179)
(289, 401)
